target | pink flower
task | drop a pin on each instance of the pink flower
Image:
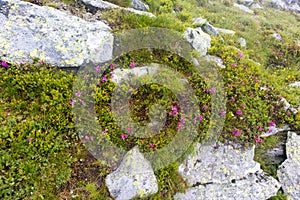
(236, 132)
(78, 94)
(104, 79)
(72, 103)
(105, 131)
(204, 108)
(182, 120)
(179, 125)
(231, 86)
(129, 130)
(252, 94)
(280, 53)
(257, 42)
(270, 130)
(272, 123)
(260, 128)
(111, 66)
(239, 112)
(258, 140)
(241, 55)
(4, 64)
(124, 136)
(195, 120)
(132, 64)
(223, 113)
(213, 90)
(41, 62)
(200, 118)
(288, 113)
(82, 102)
(111, 74)
(143, 141)
(244, 105)
(233, 65)
(30, 139)
(152, 146)
(97, 68)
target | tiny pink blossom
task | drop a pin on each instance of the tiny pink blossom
(257, 42)
(78, 94)
(252, 94)
(241, 55)
(4, 64)
(258, 140)
(270, 130)
(200, 118)
(124, 136)
(152, 146)
(72, 103)
(288, 113)
(143, 141)
(41, 62)
(112, 74)
(280, 53)
(105, 131)
(231, 85)
(132, 64)
(82, 102)
(239, 112)
(104, 79)
(129, 130)
(195, 121)
(97, 68)
(30, 139)
(204, 108)
(272, 123)
(233, 65)
(111, 66)
(236, 132)
(213, 90)
(243, 105)
(223, 113)
(260, 128)
(182, 120)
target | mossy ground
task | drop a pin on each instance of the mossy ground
(42, 156)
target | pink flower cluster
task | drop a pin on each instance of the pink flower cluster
(174, 111)
(236, 132)
(180, 124)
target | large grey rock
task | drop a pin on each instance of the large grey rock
(257, 186)
(289, 172)
(133, 178)
(95, 5)
(139, 5)
(198, 39)
(29, 31)
(243, 8)
(225, 172)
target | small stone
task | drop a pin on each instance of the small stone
(243, 42)
(243, 8)
(139, 5)
(199, 21)
(276, 36)
(134, 178)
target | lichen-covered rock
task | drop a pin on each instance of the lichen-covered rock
(29, 31)
(225, 172)
(139, 5)
(94, 5)
(199, 21)
(133, 178)
(289, 171)
(295, 84)
(225, 31)
(198, 39)
(258, 186)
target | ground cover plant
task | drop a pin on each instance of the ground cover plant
(41, 156)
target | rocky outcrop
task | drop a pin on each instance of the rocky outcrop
(133, 178)
(289, 172)
(29, 31)
(225, 171)
(292, 5)
(94, 5)
(198, 39)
